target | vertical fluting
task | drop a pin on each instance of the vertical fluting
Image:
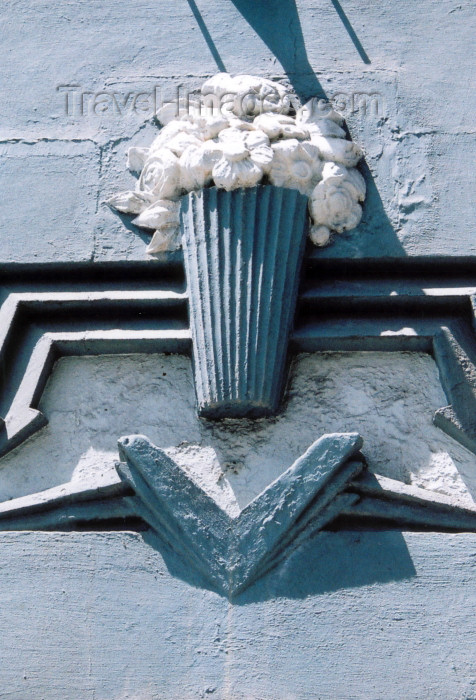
(248, 271)
(285, 281)
(242, 254)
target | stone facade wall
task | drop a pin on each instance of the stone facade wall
(389, 398)
(111, 615)
(411, 63)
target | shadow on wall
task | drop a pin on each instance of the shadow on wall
(332, 561)
(350, 30)
(375, 236)
(327, 562)
(279, 27)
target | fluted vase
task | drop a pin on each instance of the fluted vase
(242, 252)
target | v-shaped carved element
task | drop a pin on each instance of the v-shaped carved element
(326, 487)
(231, 553)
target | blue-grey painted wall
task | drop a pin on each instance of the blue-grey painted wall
(103, 616)
(374, 616)
(58, 169)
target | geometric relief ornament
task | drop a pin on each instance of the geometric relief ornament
(233, 552)
(328, 487)
(240, 192)
(242, 252)
(36, 328)
(238, 179)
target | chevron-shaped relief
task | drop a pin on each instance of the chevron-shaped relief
(233, 552)
(328, 487)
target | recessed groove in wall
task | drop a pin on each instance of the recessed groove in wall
(169, 272)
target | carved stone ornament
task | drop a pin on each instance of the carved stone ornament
(72, 323)
(240, 133)
(230, 178)
(239, 187)
(327, 488)
(242, 255)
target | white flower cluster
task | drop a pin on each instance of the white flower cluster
(240, 133)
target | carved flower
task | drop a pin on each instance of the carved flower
(246, 156)
(318, 117)
(337, 150)
(295, 165)
(136, 158)
(223, 136)
(236, 169)
(320, 235)
(277, 126)
(354, 180)
(208, 118)
(240, 124)
(163, 216)
(248, 136)
(325, 127)
(179, 143)
(177, 110)
(171, 131)
(166, 238)
(130, 202)
(161, 175)
(196, 164)
(160, 214)
(247, 95)
(317, 109)
(335, 200)
(209, 125)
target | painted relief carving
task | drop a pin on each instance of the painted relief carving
(328, 487)
(239, 179)
(243, 250)
(242, 253)
(449, 340)
(239, 134)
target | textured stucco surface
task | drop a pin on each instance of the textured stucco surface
(349, 616)
(389, 398)
(112, 615)
(419, 148)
